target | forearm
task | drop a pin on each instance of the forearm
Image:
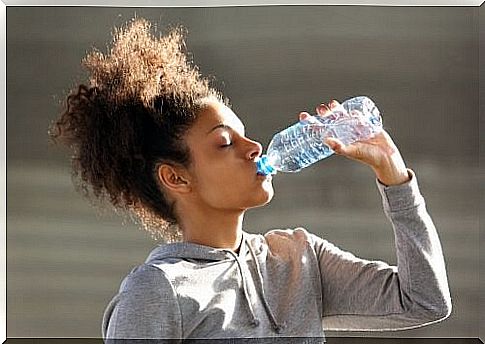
(421, 265)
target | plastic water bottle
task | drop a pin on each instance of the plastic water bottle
(302, 144)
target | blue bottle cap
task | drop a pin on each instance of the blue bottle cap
(264, 167)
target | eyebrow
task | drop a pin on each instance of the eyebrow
(224, 126)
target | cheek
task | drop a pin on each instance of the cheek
(231, 188)
(218, 185)
(228, 185)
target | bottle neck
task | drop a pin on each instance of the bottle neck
(264, 166)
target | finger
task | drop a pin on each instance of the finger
(303, 116)
(353, 151)
(323, 110)
(333, 104)
(336, 145)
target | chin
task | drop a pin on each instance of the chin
(266, 197)
(268, 191)
(267, 200)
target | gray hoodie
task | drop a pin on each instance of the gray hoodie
(287, 284)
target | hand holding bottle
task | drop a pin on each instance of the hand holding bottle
(379, 152)
(353, 129)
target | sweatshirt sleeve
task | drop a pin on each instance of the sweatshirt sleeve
(364, 295)
(146, 307)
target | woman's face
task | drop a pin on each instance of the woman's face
(223, 171)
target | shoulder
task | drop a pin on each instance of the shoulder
(298, 234)
(279, 240)
(145, 288)
(145, 305)
(146, 278)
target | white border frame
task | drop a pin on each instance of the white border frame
(3, 172)
(220, 3)
(135, 3)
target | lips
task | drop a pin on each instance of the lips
(260, 175)
(265, 177)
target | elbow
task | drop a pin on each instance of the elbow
(438, 312)
(444, 306)
(446, 309)
(433, 303)
(430, 309)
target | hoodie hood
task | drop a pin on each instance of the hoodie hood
(188, 250)
(201, 255)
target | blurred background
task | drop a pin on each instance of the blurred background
(420, 65)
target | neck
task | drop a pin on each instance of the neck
(218, 229)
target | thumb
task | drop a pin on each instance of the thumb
(355, 151)
(336, 145)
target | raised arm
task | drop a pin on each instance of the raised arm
(360, 295)
(371, 295)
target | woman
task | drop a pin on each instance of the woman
(150, 135)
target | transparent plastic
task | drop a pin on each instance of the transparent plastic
(302, 144)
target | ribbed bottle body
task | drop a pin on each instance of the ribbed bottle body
(298, 147)
(302, 144)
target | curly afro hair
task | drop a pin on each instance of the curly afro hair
(141, 99)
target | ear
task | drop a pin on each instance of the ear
(175, 179)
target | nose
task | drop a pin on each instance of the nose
(255, 149)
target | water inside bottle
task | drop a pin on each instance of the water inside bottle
(302, 144)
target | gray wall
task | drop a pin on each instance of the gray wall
(419, 64)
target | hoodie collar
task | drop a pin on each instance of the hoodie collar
(196, 251)
(187, 250)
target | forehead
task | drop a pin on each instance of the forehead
(215, 113)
